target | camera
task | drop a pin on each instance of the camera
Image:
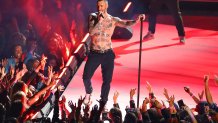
(104, 115)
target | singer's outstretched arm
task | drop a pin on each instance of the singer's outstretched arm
(125, 23)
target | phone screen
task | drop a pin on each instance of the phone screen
(104, 116)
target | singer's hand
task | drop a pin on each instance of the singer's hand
(140, 17)
(100, 16)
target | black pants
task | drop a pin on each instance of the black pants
(106, 60)
(173, 6)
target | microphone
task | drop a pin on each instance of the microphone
(101, 15)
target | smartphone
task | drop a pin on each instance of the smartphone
(104, 116)
(181, 104)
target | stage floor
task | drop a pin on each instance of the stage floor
(165, 64)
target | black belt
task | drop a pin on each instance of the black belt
(101, 51)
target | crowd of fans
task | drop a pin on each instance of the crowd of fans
(24, 92)
(24, 88)
(51, 24)
(151, 111)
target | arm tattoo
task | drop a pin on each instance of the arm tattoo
(130, 22)
(123, 23)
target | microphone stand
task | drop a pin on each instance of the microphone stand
(140, 56)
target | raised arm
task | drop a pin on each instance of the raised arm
(38, 94)
(187, 90)
(207, 90)
(216, 80)
(125, 23)
(132, 93)
(116, 94)
(166, 94)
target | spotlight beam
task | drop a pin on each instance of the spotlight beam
(127, 6)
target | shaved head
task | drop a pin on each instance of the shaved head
(103, 0)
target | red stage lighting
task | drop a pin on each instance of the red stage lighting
(127, 7)
(85, 38)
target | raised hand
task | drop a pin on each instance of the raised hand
(72, 106)
(141, 16)
(94, 111)
(163, 103)
(50, 71)
(148, 86)
(20, 74)
(187, 89)
(206, 79)
(43, 61)
(216, 80)
(171, 105)
(201, 95)
(116, 94)
(100, 16)
(4, 62)
(2, 73)
(80, 101)
(86, 108)
(165, 93)
(171, 100)
(144, 105)
(132, 93)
